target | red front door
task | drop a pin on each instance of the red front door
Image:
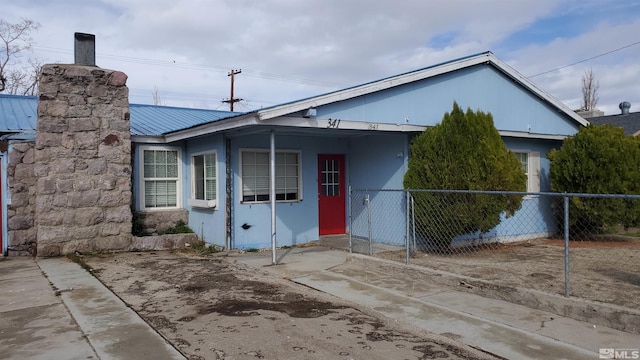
(331, 194)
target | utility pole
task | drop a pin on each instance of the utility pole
(232, 100)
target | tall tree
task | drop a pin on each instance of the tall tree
(590, 88)
(17, 76)
(463, 152)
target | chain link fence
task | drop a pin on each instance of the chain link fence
(581, 245)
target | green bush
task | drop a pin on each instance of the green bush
(598, 160)
(180, 228)
(463, 152)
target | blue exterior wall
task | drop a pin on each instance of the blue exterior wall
(374, 160)
(480, 87)
(379, 162)
(296, 222)
(386, 210)
(535, 217)
(542, 147)
(371, 161)
(209, 224)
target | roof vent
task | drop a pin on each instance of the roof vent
(85, 49)
(625, 106)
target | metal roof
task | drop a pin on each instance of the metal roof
(153, 120)
(19, 114)
(630, 122)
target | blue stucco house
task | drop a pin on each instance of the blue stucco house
(217, 165)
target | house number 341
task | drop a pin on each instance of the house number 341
(333, 123)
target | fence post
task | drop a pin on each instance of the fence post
(406, 199)
(350, 218)
(566, 246)
(369, 224)
(413, 224)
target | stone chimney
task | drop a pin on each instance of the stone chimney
(82, 159)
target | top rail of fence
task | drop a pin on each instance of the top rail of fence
(487, 192)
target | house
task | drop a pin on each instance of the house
(628, 121)
(216, 170)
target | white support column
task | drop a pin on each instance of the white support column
(272, 194)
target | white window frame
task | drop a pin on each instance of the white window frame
(298, 153)
(142, 179)
(203, 203)
(533, 169)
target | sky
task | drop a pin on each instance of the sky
(184, 50)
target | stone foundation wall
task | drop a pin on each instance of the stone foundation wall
(21, 211)
(155, 222)
(82, 161)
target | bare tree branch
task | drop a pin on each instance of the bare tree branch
(15, 40)
(156, 96)
(590, 88)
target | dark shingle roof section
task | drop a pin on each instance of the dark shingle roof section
(152, 120)
(20, 114)
(629, 122)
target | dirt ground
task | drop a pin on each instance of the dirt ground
(214, 308)
(604, 271)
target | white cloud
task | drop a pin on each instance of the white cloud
(290, 49)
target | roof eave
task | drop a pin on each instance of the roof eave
(212, 127)
(417, 75)
(372, 87)
(513, 74)
(527, 135)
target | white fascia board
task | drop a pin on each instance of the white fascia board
(371, 87)
(147, 139)
(527, 135)
(331, 124)
(511, 72)
(213, 127)
(385, 127)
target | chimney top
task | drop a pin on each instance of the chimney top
(625, 106)
(84, 49)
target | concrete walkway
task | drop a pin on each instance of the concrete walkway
(498, 327)
(54, 309)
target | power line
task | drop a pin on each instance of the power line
(174, 64)
(585, 60)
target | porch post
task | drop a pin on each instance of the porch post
(272, 193)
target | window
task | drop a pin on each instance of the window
(531, 166)
(330, 181)
(255, 175)
(160, 177)
(204, 184)
(524, 160)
